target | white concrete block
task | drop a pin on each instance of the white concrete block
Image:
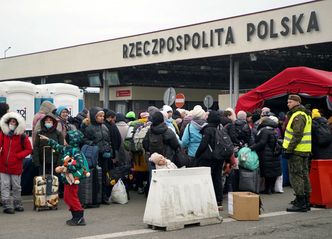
(179, 197)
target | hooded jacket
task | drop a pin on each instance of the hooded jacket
(45, 108)
(96, 133)
(74, 139)
(39, 144)
(12, 152)
(192, 137)
(265, 143)
(320, 151)
(169, 139)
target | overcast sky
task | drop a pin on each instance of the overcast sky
(37, 25)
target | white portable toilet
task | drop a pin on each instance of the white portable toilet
(43, 94)
(66, 95)
(20, 96)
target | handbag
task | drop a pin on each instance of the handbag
(181, 159)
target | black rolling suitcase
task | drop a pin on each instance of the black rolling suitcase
(90, 189)
(249, 180)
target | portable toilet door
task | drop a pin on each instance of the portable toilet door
(81, 101)
(20, 96)
(65, 95)
(3, 93)
(42, 94)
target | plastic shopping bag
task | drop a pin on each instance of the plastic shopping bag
(278, 185)
(119, 193)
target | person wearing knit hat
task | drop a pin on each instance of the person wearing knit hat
(192, 137)
(242, 115)
(152, 109)
(321, 136)
(315, 113)
(157, 118)
(62, 114)
(131, 116)
(60, 110)
(110, 118)
(167, 108)
(144, 114)
(121, 124)
(198, 112)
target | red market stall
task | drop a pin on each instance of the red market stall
(305, 81)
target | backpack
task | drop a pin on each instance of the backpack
(223, 148)
(139, 136)
(22, 140)
(156, 143)
(323, 134)
(129, 143)
(91, 153)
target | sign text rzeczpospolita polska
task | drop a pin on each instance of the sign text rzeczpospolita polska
(296, 24)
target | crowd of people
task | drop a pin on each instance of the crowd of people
(181, 137)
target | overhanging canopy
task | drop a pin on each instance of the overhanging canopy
(305, 81)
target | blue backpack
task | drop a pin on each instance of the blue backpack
(91, 154)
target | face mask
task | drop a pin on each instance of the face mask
(48, 125)
(12, 127)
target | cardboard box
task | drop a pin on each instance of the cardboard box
(243, 206)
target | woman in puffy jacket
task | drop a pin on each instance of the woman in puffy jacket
(97, 134)
(205, 157)
(265, 146)
(48, 125)
(15, 146)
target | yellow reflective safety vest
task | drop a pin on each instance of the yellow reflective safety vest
(305, 143)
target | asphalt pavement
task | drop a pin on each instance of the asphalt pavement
(126, 221)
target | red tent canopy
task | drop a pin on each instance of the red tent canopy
(295, 80)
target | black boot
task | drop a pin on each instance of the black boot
(78, 219)
(8, 207)
(70, 221)
(294, 201)
(18, 206)
(299, 206)
(81, 220)
(307, 201)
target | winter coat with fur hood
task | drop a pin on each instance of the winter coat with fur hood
(12, 152)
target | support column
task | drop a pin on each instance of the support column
(43, 80)
(106, 89)
(231, 81)
(236, 82)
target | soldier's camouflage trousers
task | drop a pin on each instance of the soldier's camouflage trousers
(299, 174)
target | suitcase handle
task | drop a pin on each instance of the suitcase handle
(44, 160)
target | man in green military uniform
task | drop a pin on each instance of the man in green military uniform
(297, 148)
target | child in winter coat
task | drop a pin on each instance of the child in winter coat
(73, 138)
(14, 147)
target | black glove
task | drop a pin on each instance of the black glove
(287, 155)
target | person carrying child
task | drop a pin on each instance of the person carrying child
(14, 147)
(77, 167)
